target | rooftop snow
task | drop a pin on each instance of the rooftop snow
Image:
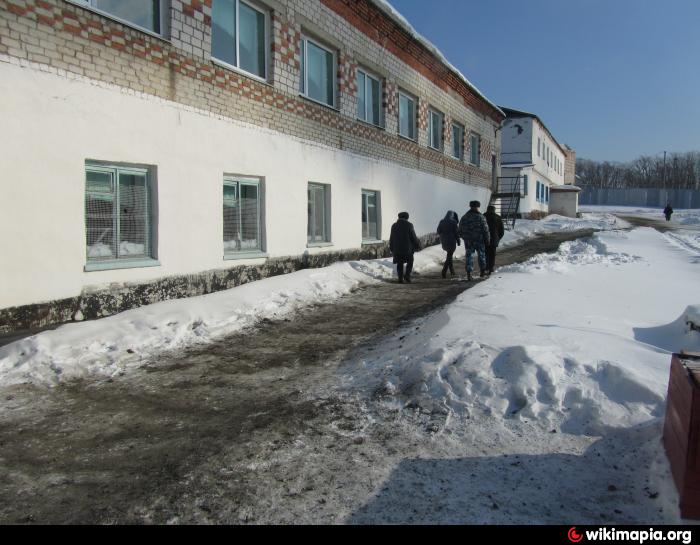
(387, 8)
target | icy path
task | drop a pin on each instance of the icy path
(251, 428)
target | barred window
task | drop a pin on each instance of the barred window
(242, 213)
(318, 214)
(146, 14)
(370, 215)
(118, 215)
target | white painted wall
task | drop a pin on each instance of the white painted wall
(516, 140)
(53, 124)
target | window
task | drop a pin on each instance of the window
(539, 144)
(369, 98)
(318, 72)
(525, 184)
(435, 124)
(146, 14)
(407, 116)
(242, 213)
(239, 36)
(370, 215)
(118, 216)
(475, 150)
(539, 186)
(457, 141)
(546, 194)
(319, 214)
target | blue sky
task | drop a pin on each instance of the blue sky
(614, 79)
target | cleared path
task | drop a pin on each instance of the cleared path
(192, 437)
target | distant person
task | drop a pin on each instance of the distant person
(668, 211)
(403, 243)
(496, 231)
(448, 231)
(475, 232)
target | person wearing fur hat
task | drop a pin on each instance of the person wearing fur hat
(403, 243)
(474, 230)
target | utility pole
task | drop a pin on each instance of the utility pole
(664, 175)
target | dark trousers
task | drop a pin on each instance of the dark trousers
(448, 264)
(490, 258)
(409, 268)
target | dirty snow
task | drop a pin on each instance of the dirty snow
(110, 346)
(573, 346)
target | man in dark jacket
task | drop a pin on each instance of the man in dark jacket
(496, 231)
(403, 243)
(448, 231)
(668, 211)
(475, 232)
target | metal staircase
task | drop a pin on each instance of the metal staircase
(506, 199)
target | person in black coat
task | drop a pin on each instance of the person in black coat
(496, 231)
(448, 231)
(403, 243)
(668, 211)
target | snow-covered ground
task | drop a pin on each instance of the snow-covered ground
(112, 345)
(680, 217)
(549, 383)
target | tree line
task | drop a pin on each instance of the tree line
(680, 171)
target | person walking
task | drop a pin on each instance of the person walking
(496, 232)
(402, 244)
(668, 211)
(448, 231)
(475, 232)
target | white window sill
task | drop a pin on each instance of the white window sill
(414, 140)
(319, 245)
(245, 255)
(124, 22)
(369, 123)
(435, 149)
(372, 242)
(94, 266)
(240, 71)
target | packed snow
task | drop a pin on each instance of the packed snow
(679, 218)
(111, 345)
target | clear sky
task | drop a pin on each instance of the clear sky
(614, 79)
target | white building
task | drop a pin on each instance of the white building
(530, 151)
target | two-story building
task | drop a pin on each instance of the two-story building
(154, 149)
(530, 151)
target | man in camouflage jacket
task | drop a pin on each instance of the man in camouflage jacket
(474, 229)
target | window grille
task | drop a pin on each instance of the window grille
(242, 215)
(117, 213)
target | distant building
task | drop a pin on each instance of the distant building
(530, 151)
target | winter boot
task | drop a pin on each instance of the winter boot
(469, 276)
(483, 273)
(407, 278)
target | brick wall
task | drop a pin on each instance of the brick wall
(71, 38)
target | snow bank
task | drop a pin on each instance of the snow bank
(581, 352)
(112, 345)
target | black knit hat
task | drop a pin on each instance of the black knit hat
(474, 204)
(403, 215)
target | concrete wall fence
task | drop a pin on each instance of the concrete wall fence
(642, 196)
(126, 141)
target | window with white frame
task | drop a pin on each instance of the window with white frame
(242, 215)
(146, 14)
(457, 141)
(369, 98)
(475, 151)
(371, 215)
(118, 215)
(239, 36)
(435, 127)
(407, 116)
(319, 214)
(318, 72)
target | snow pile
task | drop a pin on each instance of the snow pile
(112, 345)
(532, 382)
(573, 254)
(554, 223)
(581, 352)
